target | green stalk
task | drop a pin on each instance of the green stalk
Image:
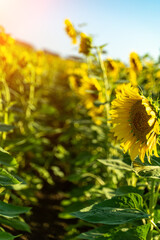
(31, 96)
(1, 107)
(105, 80)
(6, 107)
(89, 64)
(152, 204)
(155, 226)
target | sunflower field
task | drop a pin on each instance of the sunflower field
(79, 152)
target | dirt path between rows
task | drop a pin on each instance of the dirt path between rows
(44, 221)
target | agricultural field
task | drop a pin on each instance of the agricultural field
(79, 143)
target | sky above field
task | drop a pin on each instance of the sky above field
(125, 25)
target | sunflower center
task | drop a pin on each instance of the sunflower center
(78, 82)
(139, 121)
(134, 64)
(93, 92)
(110, 66)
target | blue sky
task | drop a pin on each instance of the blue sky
(125, 25)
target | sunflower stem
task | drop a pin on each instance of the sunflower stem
(152, 203)
(89, 64)
(155, 226)
(6, 107)
(105, 80)
(31, 95)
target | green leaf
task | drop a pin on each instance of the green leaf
(146, 169)
(116, 233)
(97, 233)
(157, 216)
(5, 127)
(6, 179)
(118, 210)
(43, 173)
(138, 233)
(9, 210)
(116, 163)
(154, 161)
(48, 109)
(128, 189)
(130, 200)
(15, 223)
(98, 103)
(149, 172)
(6, 159)
(6, 236)
(109, 215)
(104, 45)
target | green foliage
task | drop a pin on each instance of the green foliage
(49, 135)
(7, 236)
(5, 127)
(118, 210)
(6, 159)
(15, 223)
(116, 163)
(146, 169)
(108, 215)
(117, 233)
(9, 210)
(7, 179)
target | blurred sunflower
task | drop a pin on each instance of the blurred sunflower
(92, 92)
(135, 122)
(85, 44)
(135, 62)
(132, 77)
(113, 68)
(76, 82)
(77, 76)
(5, 39)
(158, 74)
(70, 30)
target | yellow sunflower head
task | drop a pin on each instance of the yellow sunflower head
(135, 62)
(158, 74)
(5, 39)
(78, 78)
(85, 44)
(135, 123)
(92, 92)
(112, 68)
(132, 77)
(75, 82)
(70, 30)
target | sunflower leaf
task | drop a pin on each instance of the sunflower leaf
(116, 163)
(146, 169)
(116, 233)
(117, 210)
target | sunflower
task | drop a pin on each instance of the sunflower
(132, 77)
(70, 30)
(135, 62)
(77, 78)
(5, 39)
(113, 68)
(91, 91)
(85, 44)
(135, 122)
(76, 82)
(92, 98)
